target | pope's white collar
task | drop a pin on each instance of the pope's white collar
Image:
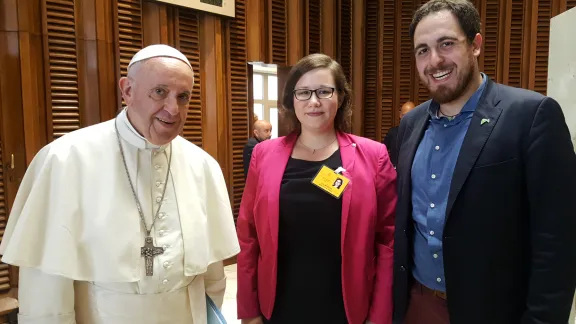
(130, 135)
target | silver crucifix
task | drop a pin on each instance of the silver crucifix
(149, 251)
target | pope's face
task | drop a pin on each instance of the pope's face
(157, 92)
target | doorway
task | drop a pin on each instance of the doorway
(265, 90)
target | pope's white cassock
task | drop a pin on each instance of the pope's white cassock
(76, 233)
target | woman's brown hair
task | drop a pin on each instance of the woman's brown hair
(305, 65)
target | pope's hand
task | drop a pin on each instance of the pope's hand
(255, 320)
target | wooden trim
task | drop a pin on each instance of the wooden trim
(329, 27)
(87, 53)
(257, 27)
(295, 26)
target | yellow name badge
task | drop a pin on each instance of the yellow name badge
(330, 181)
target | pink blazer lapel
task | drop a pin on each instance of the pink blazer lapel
(276, 167)
(347, 154)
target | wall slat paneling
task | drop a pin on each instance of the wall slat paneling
(238, 104)
(60, 44)
(129, 36)
(491, 23)
(314, 23)
(371, 68)
(542, 46)
(405, 62)
(388, 52)
(188, 43)
(345, 41)
(279, 27)
(4, 268)
(514, 58)
(422, 94)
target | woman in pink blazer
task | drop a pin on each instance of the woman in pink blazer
(314, 253)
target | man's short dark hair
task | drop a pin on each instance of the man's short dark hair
(464, 11)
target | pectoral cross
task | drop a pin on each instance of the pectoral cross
(149, 251)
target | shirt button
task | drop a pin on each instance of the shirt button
(158, 183)
(162, 215)
(165, 281)
(158, 199)
(445, 125)
(431, 232)
(435, 256)
(432, 205)
(157, 167)
(433, 176)
(166, 264)
(165, 246)
(438, 279)
(161, 233)
(437, 148)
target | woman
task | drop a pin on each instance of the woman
(310, 252)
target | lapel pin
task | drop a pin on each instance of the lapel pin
(484, 121)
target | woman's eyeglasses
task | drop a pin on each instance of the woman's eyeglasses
(321, 93)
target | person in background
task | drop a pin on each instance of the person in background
(311, 252)
(124, 221)
(391, 137)
(486, 216)
(262, 132)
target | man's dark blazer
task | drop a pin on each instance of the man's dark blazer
(391, 142)
(247, 154)
(509, 241)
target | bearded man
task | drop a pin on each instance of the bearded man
(124, 221)
(486, 214)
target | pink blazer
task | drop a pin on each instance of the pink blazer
(368, 207)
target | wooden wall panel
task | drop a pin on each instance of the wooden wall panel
(514, 43)
(371, 83)
(187, 41)
(314, 20)
(388, 98)
(129, 32)
(345, 37)
(491, 22)
(62, 71)
(570, 4)
(238, 108)
(539, 73)
(278, 27)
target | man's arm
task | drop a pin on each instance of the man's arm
(550, 172)
(44, 298)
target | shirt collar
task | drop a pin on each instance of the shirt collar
(470, 105)
(130, 135)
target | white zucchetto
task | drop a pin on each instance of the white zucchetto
(158, 50)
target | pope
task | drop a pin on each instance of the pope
(124, 221)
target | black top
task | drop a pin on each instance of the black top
(391, 143)
(247, 153)
(309, 285)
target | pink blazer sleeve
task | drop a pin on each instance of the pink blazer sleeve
(381, 307)
(247, 260)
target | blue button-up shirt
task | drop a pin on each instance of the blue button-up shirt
(432, 172)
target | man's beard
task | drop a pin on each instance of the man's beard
(444, 94)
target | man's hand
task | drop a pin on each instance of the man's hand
(255, 320)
